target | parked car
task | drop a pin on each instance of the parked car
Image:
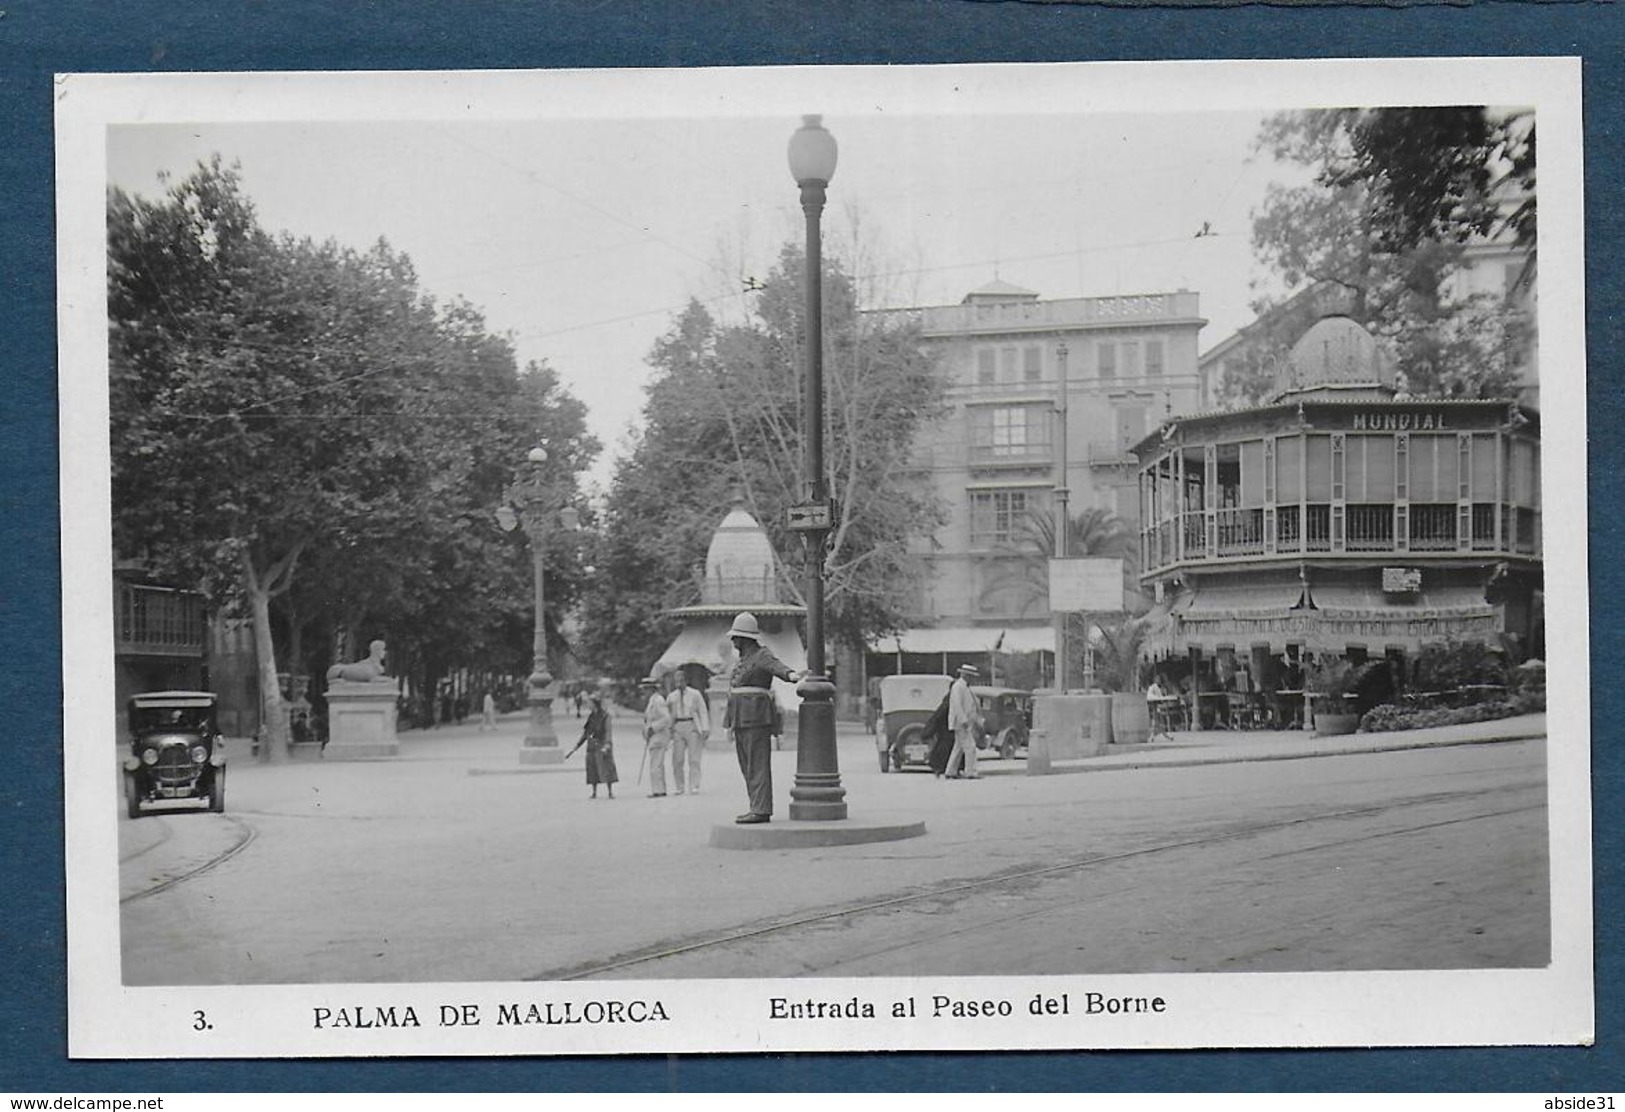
(1007, 719)
(906, 703)
(175, 751)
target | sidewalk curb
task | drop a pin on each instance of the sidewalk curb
(1133, 763)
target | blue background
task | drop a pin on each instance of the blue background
(38, 38)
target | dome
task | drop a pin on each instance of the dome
(741, 573)
(739, 565)
(739, 549)
(1336, 352)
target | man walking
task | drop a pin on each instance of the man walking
(753, 716)
(691, 725)
(965, 720)
(656, 735)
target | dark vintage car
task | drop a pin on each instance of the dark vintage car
(1007, 717)
(175, 751)
(906, 704)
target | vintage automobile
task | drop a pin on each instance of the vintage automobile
(175, 751)
(906, 703)
(1007, 717)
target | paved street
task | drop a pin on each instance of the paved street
(1225, 858)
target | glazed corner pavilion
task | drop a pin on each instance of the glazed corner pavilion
(1343, 517)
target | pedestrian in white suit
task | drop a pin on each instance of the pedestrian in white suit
(691, 726)
(656, 735)
(965, 720)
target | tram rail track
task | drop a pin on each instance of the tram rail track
(246, 835)
(1010, 878)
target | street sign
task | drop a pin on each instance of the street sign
(810, 516)
(1401, 581)
(1086, 583)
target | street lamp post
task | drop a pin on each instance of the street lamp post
(537, 505)
(1062, 496)
(817, 793)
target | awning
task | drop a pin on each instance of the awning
(1343, 615)
(706, 642)
(969, 639)
(1339, 597)
(700, 642)
(1365, 616)
(1343, 599)
(1238, 616)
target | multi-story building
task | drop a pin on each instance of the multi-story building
(160, 638)
(1012, 362)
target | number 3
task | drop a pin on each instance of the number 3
(201, 1022)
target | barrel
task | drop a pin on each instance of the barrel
(1131, 718)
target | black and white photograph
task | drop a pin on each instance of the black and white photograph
(825, 558)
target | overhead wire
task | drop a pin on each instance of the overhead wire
(310, 350)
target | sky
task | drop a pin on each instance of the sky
(582, 237)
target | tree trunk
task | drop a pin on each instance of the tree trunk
(273, 714)
(297, 665)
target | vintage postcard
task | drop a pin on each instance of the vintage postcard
(825, 558)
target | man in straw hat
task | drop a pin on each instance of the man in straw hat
(965, 720)
(690, 727)
(752, 714)
(656, 735)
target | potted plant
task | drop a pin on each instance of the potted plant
(1117, 670)
(1330, 681)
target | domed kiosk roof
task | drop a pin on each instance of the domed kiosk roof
(1336, 354)
(741, 571)
(739, 548)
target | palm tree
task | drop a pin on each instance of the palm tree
(1025, 574)
(1117, 655)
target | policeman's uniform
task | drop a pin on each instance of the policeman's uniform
(754, 717)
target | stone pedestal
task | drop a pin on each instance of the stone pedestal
(1076, 725)
(361, 721)
(540, 746)
(819, 832)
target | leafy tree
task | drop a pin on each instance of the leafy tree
(667, 495)
(1379, 233)
(724, 415)
(279, 403)
(1446, 173)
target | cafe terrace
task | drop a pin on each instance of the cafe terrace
(1344, 517)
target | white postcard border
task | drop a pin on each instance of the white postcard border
(1477, 1007)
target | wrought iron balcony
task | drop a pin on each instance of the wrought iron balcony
(1356, 530)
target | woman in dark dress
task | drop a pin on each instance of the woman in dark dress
(595, 735)
(940, 738)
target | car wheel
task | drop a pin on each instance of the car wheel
(132, 797)
(217, 793)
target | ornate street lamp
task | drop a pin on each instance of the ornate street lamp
(538, 506)
(817, 793)
(1062, 525)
